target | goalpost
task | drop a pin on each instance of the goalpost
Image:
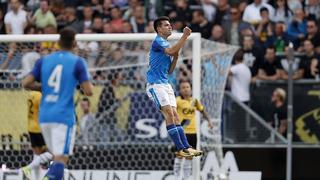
(126, 132)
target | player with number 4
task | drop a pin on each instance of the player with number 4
(56, 76)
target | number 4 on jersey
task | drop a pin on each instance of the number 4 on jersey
(55, 78)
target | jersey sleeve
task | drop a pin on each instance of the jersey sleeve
(159, 45)
(81, 71)
(36, 71)
(199, 106)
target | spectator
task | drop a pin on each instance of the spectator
(279, 39)
(138, 20)
(97, 6)
(253, 56)
(87, 16)
(284, 68)
(313, 34)
(294, 4)
(209, 10)
(252, 12)
(223, 12)
(9, 56)
(105, 14)
(16, 19)
(97, 25)
(129, 12)
(49, 46)
(315, 68)
(217, 34)
(43, 16)
(57, 7)
(265, 27)
(116, 20)
(85, 120)
(181, 11)
(312, 9)
(153, 9)
(107, 28)
(200, 24)
(127, 28)
(297, 29)
(72, 20)
(270, 68)
(278, 119)
(282, 13)
(309, 57)
(241, 78)
(232, 28)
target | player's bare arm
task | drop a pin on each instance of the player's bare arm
(29, 83)
(176, 47)
(87, 88)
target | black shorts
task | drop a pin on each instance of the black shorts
(192, 139)
(36, 139)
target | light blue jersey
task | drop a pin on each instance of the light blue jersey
(59, 74)
(159, 62)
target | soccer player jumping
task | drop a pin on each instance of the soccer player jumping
(162, 61)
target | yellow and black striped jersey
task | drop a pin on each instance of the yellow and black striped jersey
(186, 111)
(34, 99)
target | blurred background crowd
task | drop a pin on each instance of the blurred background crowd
(262, 28)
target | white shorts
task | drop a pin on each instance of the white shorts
(59, 137)
(161, 95)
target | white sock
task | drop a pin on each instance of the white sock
(187, 168)
(177, 166)
(36, 171)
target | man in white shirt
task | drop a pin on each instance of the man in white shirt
(241, 78)
(239, 120)
(16, 19)
(252, 12)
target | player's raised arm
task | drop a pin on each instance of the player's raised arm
(176, 47)
(173, 63)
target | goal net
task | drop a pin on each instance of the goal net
(122, 129)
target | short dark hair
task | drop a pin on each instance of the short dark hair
(312, 19)
(185, 80)
(157, 23)
(272, 47)
(67, 38)
(264, 9)
(238, 56)
(200, 12)
(85, 99)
